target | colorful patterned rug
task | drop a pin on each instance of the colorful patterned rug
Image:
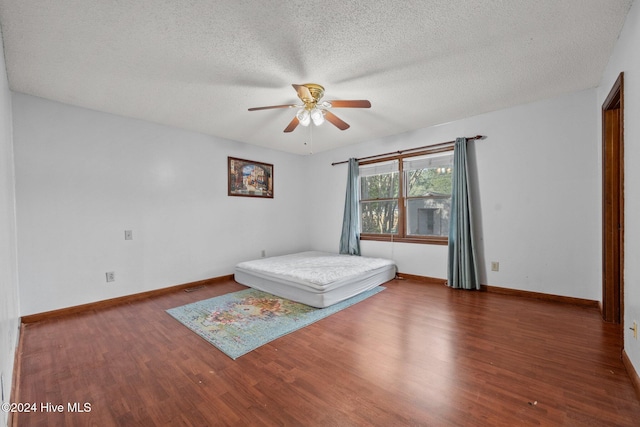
(242, 321)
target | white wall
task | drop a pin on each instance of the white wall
(83, 177)
(537, 192)
(9, 315)
(625, 59)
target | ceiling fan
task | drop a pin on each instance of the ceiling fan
(315, 111)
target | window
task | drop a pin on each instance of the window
(407, 198)
(379, 193)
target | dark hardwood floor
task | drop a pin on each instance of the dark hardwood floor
(414, 354)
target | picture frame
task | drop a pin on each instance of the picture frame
(248, 178)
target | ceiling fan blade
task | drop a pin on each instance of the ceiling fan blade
(335, 120)
(273, 106)
(292, 125)
(362, 103)
(303, 93)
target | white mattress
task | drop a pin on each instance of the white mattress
(318, 279)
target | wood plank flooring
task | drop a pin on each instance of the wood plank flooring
(413, 355)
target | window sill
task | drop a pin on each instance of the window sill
(420, 240)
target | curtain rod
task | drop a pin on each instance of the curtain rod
(441, 144)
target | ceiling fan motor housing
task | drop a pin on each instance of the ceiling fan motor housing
(316, 92)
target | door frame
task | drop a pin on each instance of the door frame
(613, 204)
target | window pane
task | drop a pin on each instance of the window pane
(382, 186)
(378, 168)
(442, 159)
(379, 217)
(428, 216)
(429, 175)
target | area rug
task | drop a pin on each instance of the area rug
(242, 321)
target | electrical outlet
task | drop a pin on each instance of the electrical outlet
(128, 234)
(111, 276)
(495, 266)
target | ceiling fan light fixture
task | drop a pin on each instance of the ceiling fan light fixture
(317, 116)
(314, 109)
(304, 117)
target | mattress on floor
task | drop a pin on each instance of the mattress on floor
(318, 279)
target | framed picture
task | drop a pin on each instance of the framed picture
(250, 179)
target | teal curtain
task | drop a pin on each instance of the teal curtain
(462, 269)
(350, 239)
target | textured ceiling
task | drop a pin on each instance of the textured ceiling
(200, 65)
